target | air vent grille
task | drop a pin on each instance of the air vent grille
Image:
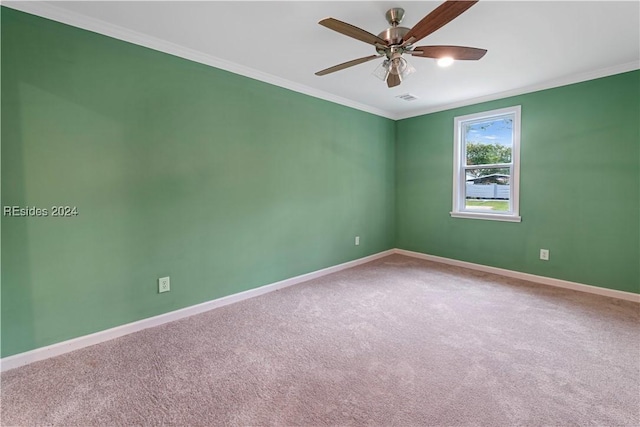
(407, 97)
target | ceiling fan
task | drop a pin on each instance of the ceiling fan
(395, 41)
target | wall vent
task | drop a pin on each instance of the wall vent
(407, 97)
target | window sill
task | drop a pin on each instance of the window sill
(486, 216)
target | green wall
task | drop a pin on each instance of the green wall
(225, 183)
(222, 182)
(579, 190)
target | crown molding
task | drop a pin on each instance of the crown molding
(49, 11)
(549, 84)
(55, 13)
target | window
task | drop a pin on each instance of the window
(486, 165)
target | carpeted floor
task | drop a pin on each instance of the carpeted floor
(398, 341)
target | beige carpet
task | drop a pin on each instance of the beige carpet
(398, 341)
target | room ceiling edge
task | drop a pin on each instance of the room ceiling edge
(549, 84)
(49, 11)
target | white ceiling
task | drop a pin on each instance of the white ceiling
(531, 45)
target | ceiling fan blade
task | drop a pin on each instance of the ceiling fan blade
(455, 52)
(442, 15)
(352, 31)
(346, 65)
(393, 80)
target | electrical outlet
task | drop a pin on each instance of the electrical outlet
(164, 285)
(544, 254)
(357, 240)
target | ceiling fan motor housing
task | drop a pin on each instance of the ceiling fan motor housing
(393, 35)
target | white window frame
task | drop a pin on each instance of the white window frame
(459, 164)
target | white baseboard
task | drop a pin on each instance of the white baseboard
(63, 347)
(629, 296)
(57, 349)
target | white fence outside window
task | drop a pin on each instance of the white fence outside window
(487, 191)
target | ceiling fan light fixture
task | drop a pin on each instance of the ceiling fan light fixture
(400, 67)
(382, 70)
(445, 61)
(407, 71)
(397, 65)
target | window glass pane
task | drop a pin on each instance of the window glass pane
(489, 141)
(488, 189)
